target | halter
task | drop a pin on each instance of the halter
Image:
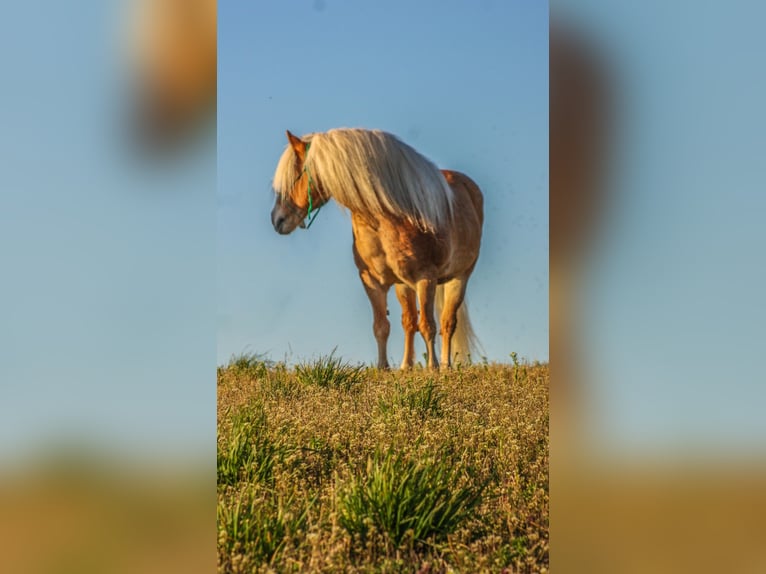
(311, 203)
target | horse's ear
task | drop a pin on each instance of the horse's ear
(297, 144)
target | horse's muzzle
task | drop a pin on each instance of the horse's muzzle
(278, 221)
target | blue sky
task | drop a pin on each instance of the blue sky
(108, 332)
(674, 322)
(466, 84)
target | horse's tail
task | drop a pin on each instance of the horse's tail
(464, 340)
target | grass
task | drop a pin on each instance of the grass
(422, 401)
(329, 373)
(247, 454)
(258, 526)
(333, 467)
(404, 498)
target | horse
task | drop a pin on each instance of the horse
(172, 52)
(582, 105)
(414, 226)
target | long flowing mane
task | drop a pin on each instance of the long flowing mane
(372, 173)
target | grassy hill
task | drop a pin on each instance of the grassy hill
(332, 467)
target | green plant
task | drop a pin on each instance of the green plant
(407, 499)
(330, 373)
(247, 453)
(258, 527)
(423, 401)
(252, 365)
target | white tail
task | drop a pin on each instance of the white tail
(465, 343)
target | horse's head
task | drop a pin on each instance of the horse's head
(304, 197)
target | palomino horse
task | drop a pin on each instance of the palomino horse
(173, 52)
(415, 227)
(582, 103)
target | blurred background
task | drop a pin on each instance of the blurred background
(657, 432)
(108, 347)
(107, 227)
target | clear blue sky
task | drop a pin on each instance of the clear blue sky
(108, 281)
(675, 308)
(465, 83)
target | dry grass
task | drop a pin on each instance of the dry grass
(334, 468)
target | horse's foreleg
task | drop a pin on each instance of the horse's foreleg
(381, 326)
(454, 293)
(426, 289)
(406, 296)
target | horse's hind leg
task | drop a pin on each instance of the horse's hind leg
(406, 296)
(454, 293)
(381, 326)
(426, 289)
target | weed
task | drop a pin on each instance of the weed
(330, 373)
(251, 365)
(423, 401)
(248, 454)
(258, 526)
(406, 498)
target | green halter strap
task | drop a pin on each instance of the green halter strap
(311, 203)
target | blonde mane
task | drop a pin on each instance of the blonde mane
(372, 173)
